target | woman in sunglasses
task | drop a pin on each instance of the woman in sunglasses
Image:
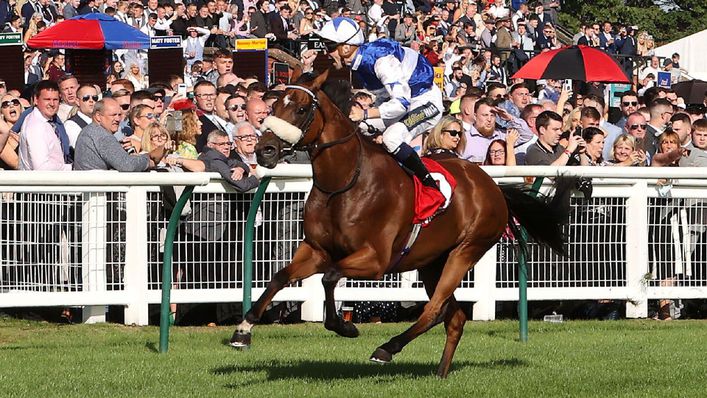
(141, 116)
(9, 141)
(447, 137)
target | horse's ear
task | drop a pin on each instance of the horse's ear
(319, 80)
(296, 74)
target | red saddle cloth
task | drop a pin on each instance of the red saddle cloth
(429, 201)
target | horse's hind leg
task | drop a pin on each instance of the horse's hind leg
(436, 309)
(454, 318)
(333, 320)
(306, 262)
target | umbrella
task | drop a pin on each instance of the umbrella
(91, 32)
(577, 63)
(692, 91)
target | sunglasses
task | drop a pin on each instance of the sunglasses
(158, 98)
(7, 104)
(453, 133)
(637, 126)
(125, 107)
(630, 103)
(148, 116)
(236, 107)
(88, 97)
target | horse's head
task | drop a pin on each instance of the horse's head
(295, 123)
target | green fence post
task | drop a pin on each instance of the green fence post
(523, 274)
(249, 236)
(167, 266)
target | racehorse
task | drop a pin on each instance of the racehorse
(359, 214)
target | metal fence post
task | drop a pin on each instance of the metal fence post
(523, 273)
(248, 243)
(167, 266)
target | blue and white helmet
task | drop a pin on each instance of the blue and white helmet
(343, 31)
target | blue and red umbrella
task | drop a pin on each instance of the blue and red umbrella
(91, 32)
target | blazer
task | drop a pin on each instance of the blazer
(276, 26)
(208, 219)
(257, 21)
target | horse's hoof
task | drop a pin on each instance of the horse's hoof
(348, 329)
(381, 356)
(240, 340)
(343, 328)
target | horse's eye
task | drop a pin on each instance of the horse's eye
(301, 110)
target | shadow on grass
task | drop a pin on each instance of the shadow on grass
(339, 370)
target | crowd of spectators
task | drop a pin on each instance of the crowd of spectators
(492, 119)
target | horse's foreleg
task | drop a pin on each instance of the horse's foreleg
(306, 262)
(437, 308)
(333, 320)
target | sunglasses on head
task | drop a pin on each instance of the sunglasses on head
(636, 126)
(630, 103)
(236, 107)
(12, 102)
(453, 133)
(88, 97)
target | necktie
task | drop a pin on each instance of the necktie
(63, 139)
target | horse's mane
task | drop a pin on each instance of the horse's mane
(338, 91)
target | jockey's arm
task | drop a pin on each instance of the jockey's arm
(390, 72)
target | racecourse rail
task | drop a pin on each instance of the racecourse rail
(93, 239)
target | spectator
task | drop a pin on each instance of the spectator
(141, 116)
(87, 96)
(236, 107)
(135, 76)
(405, 32)
(9, 140)
(625, 152)
(681, 124)
(547, 151)
(217, 158)
(594, 139)
(501, 152)
(68, 85)
(447, 137)
(698, 147)
(44, 144)
(205, 95)
(485, 132)
(223, 62)
(97, 149)
(669, 150)
(606, 38)
(661, 111)
(256, 111)
(245, 139)
(194, 44)
(628, 105)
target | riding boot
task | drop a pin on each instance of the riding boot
(410, 160)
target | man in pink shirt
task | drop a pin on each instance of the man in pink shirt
(41, 146)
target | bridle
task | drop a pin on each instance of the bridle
(315, 149)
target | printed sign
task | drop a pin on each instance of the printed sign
(439, 77)
(10, 39)
(165, 42)
(663, 79)
(281, 73)
(251, 44)
(615, 91)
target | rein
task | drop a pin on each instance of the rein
(316, 149)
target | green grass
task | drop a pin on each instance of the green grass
(578, 358)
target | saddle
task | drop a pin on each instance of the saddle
(430, 202)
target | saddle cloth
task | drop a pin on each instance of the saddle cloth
(428, 201)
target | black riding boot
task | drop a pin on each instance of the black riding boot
(409, 158)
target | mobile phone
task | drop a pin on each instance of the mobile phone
(568, 85)
(182, 89)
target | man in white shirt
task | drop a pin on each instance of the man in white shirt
(43, 141)
(87, 98)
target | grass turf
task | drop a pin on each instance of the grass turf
(637, 358)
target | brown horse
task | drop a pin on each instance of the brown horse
(359, 213)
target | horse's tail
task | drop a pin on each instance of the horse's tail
(542, 217)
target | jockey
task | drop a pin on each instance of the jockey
(409, 103)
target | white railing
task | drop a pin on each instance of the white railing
(94, 239)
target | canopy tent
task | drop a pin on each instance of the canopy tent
(91, 32)
(693, 57)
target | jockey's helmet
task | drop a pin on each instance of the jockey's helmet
(341, 30)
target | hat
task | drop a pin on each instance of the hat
(183, 104)
(343, 31)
